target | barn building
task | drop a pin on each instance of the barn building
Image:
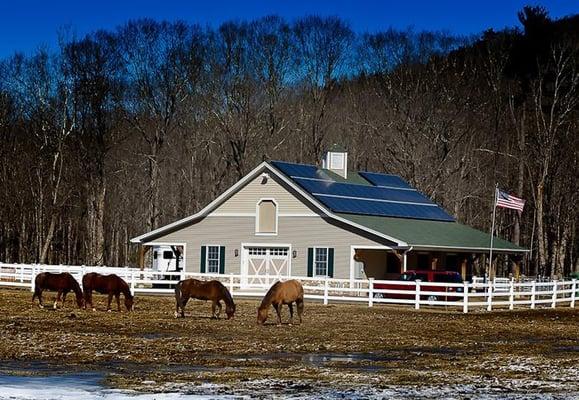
(286, 219)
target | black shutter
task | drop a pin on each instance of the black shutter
(331, 262)
(310, 261)
(203, 258)
(222, 259)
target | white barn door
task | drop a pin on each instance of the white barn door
(265, 265)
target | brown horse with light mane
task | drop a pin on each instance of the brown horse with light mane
(112, 285)
(203, 290)
(279, 294)
(61, 283)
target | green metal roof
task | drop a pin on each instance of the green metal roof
(424, 233)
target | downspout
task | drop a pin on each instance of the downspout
(405, 265)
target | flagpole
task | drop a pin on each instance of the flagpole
(492, 230)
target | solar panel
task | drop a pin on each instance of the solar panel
(300, 170)
(368, 207)
(390, 196)
(385, 180)
(361, 191)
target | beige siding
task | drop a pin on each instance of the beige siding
(299, 232)
(245, 200)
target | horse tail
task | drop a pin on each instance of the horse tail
(37, 284)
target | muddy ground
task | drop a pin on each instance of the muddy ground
(336, 345)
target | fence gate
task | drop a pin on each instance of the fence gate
(264, 265)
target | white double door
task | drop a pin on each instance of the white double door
(265, 265)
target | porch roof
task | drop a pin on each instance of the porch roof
(434, 234)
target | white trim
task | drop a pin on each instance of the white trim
(426, 247)
(314, 275)
(231, 215)
(262, 199)
(253, 215)
(379, 200)
(298, 215)
(287, 181)
(218, 257)
(362, 247)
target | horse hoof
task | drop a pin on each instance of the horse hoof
(109, 311)
(176, 314)
(40, 306)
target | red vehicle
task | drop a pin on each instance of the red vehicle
(424, 277)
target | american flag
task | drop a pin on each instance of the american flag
(507, 201)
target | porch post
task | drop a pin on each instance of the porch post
(463, 268)
(405, 263)
(434, 261)
(141, 256)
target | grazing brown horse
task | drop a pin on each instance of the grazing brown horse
(61, 283)
(112, 285)
(279, 294)
(203, 290)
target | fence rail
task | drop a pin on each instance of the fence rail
(466, 296)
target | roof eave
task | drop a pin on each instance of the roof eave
(224, 196)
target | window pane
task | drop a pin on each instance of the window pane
(168, 255)
(213, 259)
(337, 161)
(321, 261)
(267, 217)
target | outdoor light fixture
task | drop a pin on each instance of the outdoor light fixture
(236, 252)
(294, 253)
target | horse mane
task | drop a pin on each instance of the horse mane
(76, 287)
(268, 296)
(124, 286)
(226, 295)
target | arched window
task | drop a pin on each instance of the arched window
(266, 223)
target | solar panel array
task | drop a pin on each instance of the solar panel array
(390, 196)
(386, 180)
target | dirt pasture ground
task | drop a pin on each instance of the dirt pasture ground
(336, 345)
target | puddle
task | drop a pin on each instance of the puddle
(153, 336)
(572, 349)
(89, 387)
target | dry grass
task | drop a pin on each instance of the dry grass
(407, 346)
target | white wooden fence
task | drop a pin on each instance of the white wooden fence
(465, 296)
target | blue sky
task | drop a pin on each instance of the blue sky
(27, 24)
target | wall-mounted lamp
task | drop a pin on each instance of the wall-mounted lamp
(236, 252)
(294, 253)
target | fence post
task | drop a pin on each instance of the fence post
(370, 292)
(133, 283)
(417, 295)
(533, 294)
(465, 297)
(231, 284)
(573, 292)
(21, 273)
(490, 295)
(512, 294)
(32, 278)
(554, 302)
(326, 286)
